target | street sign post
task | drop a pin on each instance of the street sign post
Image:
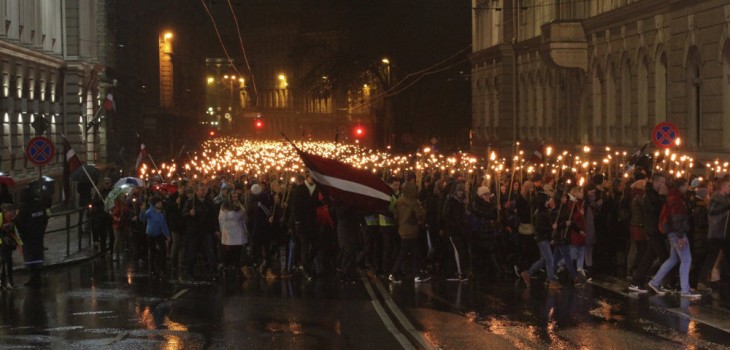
(40, 151)
(665, 135)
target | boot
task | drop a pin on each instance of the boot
(246, 272)
(35, 279)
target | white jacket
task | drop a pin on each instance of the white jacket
(233, 227)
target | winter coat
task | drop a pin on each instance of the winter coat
(454, 217)
(678, 213)
(120, 213)
(303, 208)
(637, 209)
(543, 225)
(31, 223)
(175, 220)
(260, 211)
(483, 221)
(576, 238)
(233, 227)
(156, 223)
(652, 205)
(718, 214)
(563, 233)
(408, 212)
(205, 220)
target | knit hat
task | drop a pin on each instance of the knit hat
(482, 191)
(695, 183)
(256, 189)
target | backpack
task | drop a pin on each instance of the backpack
(664, 225)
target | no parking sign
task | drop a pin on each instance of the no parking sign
(665, 135)
(40, 151)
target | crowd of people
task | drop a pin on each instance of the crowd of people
(553, 230)
(439, 225)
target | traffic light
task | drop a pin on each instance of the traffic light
(212, 133)
(259, 124)
(359, 132)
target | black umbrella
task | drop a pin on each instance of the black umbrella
(79, 176)
(43, 187)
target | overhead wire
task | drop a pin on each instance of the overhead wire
(243, 50)
(220, 39)
(396, 89)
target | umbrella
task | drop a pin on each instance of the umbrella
(133, 181)
(165, 188)
(78, 175)
(5, 179)
(43, 187)
(115, 193)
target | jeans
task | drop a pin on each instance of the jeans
(577, 252)
(546, 258)
(562, 251)
(676, 253)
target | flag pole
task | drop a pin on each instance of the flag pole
(155, 165)
(92, 181)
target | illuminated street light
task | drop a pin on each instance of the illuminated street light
(211, 80)
(168, 36)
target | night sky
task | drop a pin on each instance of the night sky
(414, 35)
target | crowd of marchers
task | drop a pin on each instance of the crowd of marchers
(540, 231)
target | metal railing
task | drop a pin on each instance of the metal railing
(68, 214)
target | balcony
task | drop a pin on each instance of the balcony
(564, 45)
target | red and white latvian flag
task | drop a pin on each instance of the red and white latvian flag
(141, 156)
(71, 162)
(109, 104)
(352, 186)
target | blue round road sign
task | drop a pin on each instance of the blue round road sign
(40, 150)
(665, 135)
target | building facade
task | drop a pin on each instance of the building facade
(601, 72)
(51, 62)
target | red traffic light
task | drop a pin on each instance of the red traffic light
(212, 133)
(359, 131)
(259, 124)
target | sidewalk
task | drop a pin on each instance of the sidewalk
(55, 242)
(709, 310)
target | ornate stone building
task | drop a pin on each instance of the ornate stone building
(51, 61)
(601, 71)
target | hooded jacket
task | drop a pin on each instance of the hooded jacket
(408, 212)
(718, 215)
(678, 213)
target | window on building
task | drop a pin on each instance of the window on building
(660, 88)
(694, 97)
(597, 88)
(726, 95)
(611, 126)
(626, 131)
(642, 95)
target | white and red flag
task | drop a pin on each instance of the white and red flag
(71, 162)
(539, 155)
(352, 186)
(142, 153)
(109, 104)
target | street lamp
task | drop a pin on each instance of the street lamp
(386, 62)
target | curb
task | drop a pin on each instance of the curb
(79, 259)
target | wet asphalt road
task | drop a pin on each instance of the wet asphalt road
(110, 305)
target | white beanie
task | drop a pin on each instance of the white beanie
(482, 191)
(256, 189)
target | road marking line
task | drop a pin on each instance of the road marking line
(385, 318)
(119, 337)
(407, 325)
(179, 294)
